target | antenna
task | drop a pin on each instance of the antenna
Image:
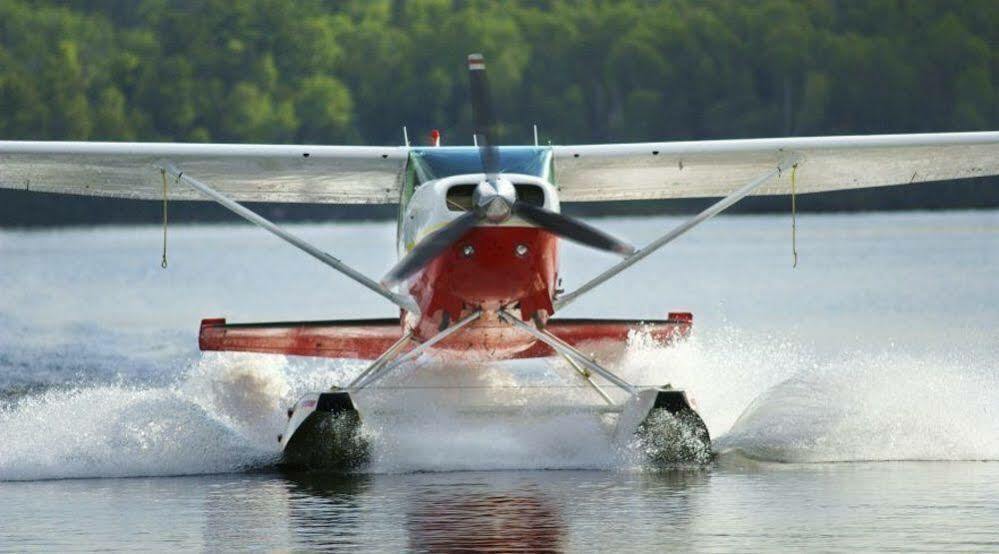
(475, 140)
(405, 135)
(535, 135)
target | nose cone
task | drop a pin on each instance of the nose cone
(494, 200)
(497, 210)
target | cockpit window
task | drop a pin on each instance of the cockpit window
(437, 163)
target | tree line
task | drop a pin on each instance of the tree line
(355, 72)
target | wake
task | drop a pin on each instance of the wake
(761, 398)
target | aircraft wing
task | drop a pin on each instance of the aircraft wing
(598, 172)
(243, 172)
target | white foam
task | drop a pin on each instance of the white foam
(428, 417)
(219, 416)
(224, 413)
(889, 406)
(117, 431)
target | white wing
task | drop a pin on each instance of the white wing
(244, 172)
(716, 168)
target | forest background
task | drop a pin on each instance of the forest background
(355, 72)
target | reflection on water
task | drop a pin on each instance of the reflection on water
(444, 521)
(434, 513)
(326, 511)
(487, 512)
(245, 513)
(736, 505)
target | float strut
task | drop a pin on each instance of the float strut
(585, 376)
(386, 369)
(385, 358)
(568, 350)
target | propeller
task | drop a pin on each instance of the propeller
(572, 229)
(495, 199)
(430, 247)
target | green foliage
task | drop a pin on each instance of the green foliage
(585, 70)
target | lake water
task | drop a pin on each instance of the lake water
(854, 400)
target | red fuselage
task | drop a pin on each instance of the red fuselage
(490, 268)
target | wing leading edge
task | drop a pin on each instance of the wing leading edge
(696, 169)
(595, 172)
(243, 172)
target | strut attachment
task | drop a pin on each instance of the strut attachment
(585, 376)
(566, 349)
(385, 358)
(385, 369)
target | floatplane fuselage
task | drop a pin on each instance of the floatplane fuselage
(478, 237)
(510, 265)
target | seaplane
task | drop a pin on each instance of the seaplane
(479, 230)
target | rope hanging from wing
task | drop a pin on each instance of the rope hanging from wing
(794, 222)
(163, 262)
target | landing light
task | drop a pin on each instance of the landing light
(521, 250)
(468, 250)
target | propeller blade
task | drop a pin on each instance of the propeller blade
(482, 116)
(572, 229)
(429, 248)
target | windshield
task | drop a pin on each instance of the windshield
(437, 163)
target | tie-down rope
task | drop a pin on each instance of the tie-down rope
(794, 223)
(163, 262)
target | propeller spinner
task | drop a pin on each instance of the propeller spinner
(495, 198)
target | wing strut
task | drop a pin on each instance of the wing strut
(708, 213)
(403, 302)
